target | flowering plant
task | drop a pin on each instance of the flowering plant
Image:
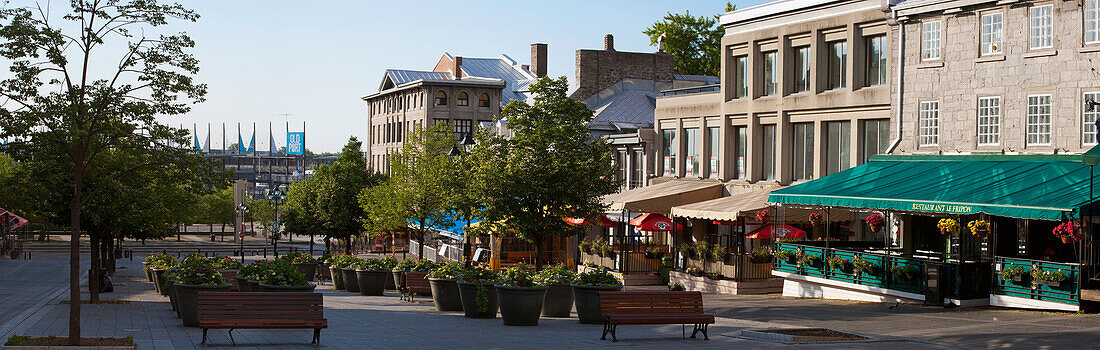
(557, 275)
(694, 271)
(875, 220)
(198, 270)
(600, 276)
(978, 227)
(837, 263)
(948, 225)
(816, 218)
(227, 263)
(1067, 231)
(520, 276)
(864, 266)
(763, 215)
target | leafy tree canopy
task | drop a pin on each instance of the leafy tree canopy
(693, 42)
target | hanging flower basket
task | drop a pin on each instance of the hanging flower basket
(979, 228)
(948, 226)
(874, 222)
(1067, 232)
(763, 216)
(816, 219)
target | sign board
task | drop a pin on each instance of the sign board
(689, 167)
(668, 166)
(241, 235)
(714, 167)
(295, 143)
(275, 226)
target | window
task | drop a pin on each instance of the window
(669, 152)
(741, 134)
(771, 73)
(838, 64)
(741, 87)
(802, 148)
(440, 98)
(768, 144)
(635, 169)
(483, 100)
(1092, 21)
(802, 69)
(930, 40)
(1088, 129)
(714, 142)
(462, 128)
(876, 60)
(928, 120)
(691, 152)
(620, 159)
(876, 137)
(463, 99)
(1038, 120)
(991, 33)
(838, 147)
(1041, 29)
(989, 121)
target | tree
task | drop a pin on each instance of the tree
(263, 210)
(69, 114)
(337, 187)
(550, 169)
(417, 192)
(300, 214)
(694, 42)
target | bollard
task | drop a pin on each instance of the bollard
(265, 252)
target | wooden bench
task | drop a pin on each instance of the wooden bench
(619, 308)
(414, 283)
(282, 310)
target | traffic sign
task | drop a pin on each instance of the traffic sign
(275, 225)
(241, 235)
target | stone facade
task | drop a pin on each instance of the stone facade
(961, 76)
(597, 70)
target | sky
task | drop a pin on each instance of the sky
(279, 61)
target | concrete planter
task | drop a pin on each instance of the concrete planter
(231, 276)
(558, 301)
(173, 297)
(301, 289)
(396, 278)
(188, 299)
(351, 283)
(310, 270)
(372, 282)
(445, 294)
(148, 271)
(470, 293)
(587, 299)
(158, 280)
(242, 284)
(520, 306)
(337, 277)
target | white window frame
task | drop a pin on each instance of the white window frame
(987, 34)
(1091, 24)
(1088, 119)
(931, 40)
(1036, 120)
(1040, 27)
(928, 126)
(989, 118)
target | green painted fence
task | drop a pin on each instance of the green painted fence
(1066, 292)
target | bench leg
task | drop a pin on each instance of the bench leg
(204, 336)
(613, 337)
(695, 330)
(316, 336)
(705, 336)
(234, 341)
(606, 328)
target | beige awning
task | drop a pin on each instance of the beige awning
(660, 198)
(748, 203)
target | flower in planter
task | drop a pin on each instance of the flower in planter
(557, 275)
(161, 261)
(694, 271)
(864, 266)
(654, 252)
(702, 247)
(520, 276)
(714, 276)
(1013, 273)
(978, 227)
(762, 254)
(227, 263)
(255, 271)
(197, 270)
(783, 254)
(585, 245)
(1048, 276)
(875, 222)
(1067, 231)
(816, 219)
(763, 216)
(600, 276)
(719, 253)
(676, 287)
(388, 263)
(687, 249)
(837, 263)
(478, 276)
(948, 225)
(299, 258)
(448, 271)
(903, 272)
(283, 273)
(805, 259)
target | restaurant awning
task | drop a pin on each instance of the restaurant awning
(1047, 187)
(660, 198)
(777, 231)
(1092, 157)
(729, 209)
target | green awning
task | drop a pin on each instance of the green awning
(1092, 157)
(1047, 187)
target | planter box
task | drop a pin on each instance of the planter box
(1053, 284)
(520, 306)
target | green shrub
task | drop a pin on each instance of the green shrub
(197, 270)
(557, 275)
(448, 271)
(520, 276)
(600, 276)
(227, 263)
(283, 273)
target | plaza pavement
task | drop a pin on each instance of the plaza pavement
(365, 322)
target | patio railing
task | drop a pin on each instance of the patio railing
(910, 276)
(1066, 292)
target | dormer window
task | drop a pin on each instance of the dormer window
(483, 100)
(440, 98)
(463, 99)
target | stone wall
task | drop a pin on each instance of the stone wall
(599, 69)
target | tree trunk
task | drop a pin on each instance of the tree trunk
(74, 258)
(93, 274)
(420, 247)
(112, 257)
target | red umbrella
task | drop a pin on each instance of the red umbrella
(602, 221)
(14, 220)
(777, 231)
(654, 222)
(723, 222)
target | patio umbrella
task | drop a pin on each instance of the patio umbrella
(654, 222)
(777, 231)
(602, 221)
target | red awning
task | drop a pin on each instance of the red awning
(602, 221)
(653, 222)
(777, 231)
(15, 221)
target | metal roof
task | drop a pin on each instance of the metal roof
(503, 68)
(402, 76)
(633, 107)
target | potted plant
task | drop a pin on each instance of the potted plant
(874, 222)
(703, 249)
(862, 266)
(694, 271)
(816, 219)
(196, 274)
(347, 270)
(334, 264)
(520, 293)
(718, 253)
(714, 276)
(388, 263)
(372, 275)
(1014, 273)
(248, 278)
(304, 262)
(444, 288)
(229, 268)
(283, 276)
(477, 291)
(156, 259)
(586, 290)
(675, 287)
(761, 255)
(169, 288)
(806, 259)
(654, 252)
(1067, 232)
(978, 228)
(687, 250)
(763, 216)
(559, 294)
(607, 250)
(401, 267)
(948, 226)
(159, 265)
(904, 273)
(785, 255)
(837, 264)
(585, 245)
(1049, 278)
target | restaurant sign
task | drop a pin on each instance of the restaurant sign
(944, 208)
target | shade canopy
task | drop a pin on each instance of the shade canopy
(1046, 187)
(653, 222)
(1092, 157)
(660, 198)
(777, 231)
(726, 210)
(13, 221)
(601, 221)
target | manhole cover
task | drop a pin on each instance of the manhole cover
(801, 334)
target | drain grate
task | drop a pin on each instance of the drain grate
(801, 334)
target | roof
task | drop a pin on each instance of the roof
(1046, 187)
(631, 107)
(660, 198)
(734, 206)
(504, 68)
(402, 76)
(1092, 157)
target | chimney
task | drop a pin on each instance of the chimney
(538, 59)
(457, 68)
(609, 42)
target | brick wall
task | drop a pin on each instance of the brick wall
(599, 69)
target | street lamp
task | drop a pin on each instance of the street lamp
(456, 151)
(241, 211)
(277, 195)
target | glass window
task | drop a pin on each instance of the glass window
(991, 33)
(463, 99)
(669, 152)
(440, 98)
(1092, 21)
(929, 123)
(1041, 28)
(838, 64)
(771, 73)
(930, 40)
(636, 169)
(1088, 129)
(741, 135)
(876, 60)
(1038, 120)
(691, 152)
(802, 69)
(802, 148)
(483, 100)
(714, 142)
(741, 87)
(620, 160)
(838, 150)
(989, 121)
(876, 137)
(768, 143)
(462, 128)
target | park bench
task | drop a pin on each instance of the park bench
(619, 308)
(227, 310)
(414, 283)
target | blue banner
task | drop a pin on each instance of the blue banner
(295, 143)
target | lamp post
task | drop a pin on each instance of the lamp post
(241, 211)
(277, 195)
(459, 150)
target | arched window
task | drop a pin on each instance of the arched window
(483, 100)
(463, 99)
(440, 98)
